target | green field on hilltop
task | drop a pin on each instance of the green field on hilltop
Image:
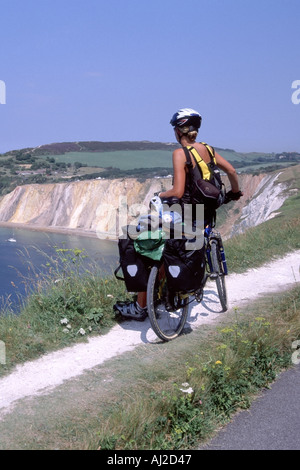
(122, 159)
(129, 159)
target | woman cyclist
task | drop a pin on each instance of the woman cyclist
(186, 123)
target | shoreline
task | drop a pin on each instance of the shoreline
(61, 230)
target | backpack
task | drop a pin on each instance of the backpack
(208, 189)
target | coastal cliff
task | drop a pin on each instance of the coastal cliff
(99, 207)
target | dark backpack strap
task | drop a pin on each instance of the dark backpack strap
(189, 165)
(188, 157)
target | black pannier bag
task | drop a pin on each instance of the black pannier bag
(135, 267)
(184, 268)
(139, 251)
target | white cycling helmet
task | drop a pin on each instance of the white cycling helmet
(186, 117)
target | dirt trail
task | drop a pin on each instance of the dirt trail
(41, 376)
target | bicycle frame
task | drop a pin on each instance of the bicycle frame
(209, 235)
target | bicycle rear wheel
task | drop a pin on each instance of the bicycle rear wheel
(218, 274)
(167, 324)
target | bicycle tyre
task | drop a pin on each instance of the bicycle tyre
(217, 266)
(166, 324)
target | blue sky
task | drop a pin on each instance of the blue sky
(117, 70)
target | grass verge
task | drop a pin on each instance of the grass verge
(165, 396)
(70, 301)
(180, 400)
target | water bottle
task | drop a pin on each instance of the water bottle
(156, 202)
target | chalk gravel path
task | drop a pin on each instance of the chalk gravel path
(44, 374)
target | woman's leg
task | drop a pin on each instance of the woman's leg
(142, 299)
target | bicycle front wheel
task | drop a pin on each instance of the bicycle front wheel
(218, 274)
(167, 314)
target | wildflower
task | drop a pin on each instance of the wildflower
(218, 362)
(227, 330)
(81, 331)
(188, 390)
(64, 321)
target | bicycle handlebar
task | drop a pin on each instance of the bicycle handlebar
(230, 196)
(157, 202)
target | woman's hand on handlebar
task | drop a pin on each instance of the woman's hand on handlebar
(231, 196)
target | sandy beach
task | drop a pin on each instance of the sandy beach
(63, 230)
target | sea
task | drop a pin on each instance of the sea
(24, 254)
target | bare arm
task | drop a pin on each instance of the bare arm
(179, 175)
(230, 171)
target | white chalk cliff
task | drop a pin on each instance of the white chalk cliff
(95, 206)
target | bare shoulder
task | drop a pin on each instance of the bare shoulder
(178, 154)
(178, 151)
(179, 158)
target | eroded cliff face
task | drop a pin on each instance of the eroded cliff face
(102, 207)
(266, 200)
(262, 199)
